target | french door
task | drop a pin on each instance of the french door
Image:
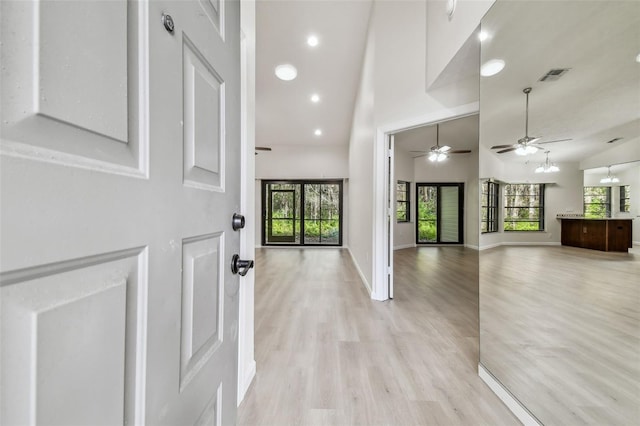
(439, 213)
(302, 213)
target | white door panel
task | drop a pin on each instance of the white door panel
(120, 175)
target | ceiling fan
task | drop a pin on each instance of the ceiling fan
(262, 148)
(527, 144)
(440, 153)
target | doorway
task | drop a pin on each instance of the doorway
(439, 213)
(302, 213)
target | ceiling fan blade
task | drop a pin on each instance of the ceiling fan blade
(507, 150)
(263, 148)
(422, 155)
(418, 151)
(445, 148)
(557, 140)
(501, 146)
(459, 151)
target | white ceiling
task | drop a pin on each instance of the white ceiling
(461, 133)
(596, 101)
(284, 113)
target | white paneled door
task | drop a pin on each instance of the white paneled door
(120, 172)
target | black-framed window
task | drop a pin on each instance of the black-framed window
(524, 207)
(439, 213)
(597, 201)
(625, 198)
(302, 212)
(403, 201)
(490, 196)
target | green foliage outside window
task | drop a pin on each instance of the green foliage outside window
(524, 207)
(427, 214)
(597, 201)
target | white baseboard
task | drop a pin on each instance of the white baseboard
(507, 398)
(362, 277)
(472, 247)
(530, 243)
(404, 246)
(250, 373)
(521, 243)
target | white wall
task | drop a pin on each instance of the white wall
(360, 205)
(303, 162)
(392, 89)
(404, 233)
(446, 36)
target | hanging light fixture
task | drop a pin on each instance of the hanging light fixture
(547, 166)
(609, 178)
(438, 153)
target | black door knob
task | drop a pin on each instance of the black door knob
(239, 266)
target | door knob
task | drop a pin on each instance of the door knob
(239, 266)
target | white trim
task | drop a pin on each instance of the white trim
(518, 410)
(472, 247)
(246, 369)
(245, 382)
(362, 277)
(635, 243)
(404, 246)
(298, 247)
(521, 243)
(380, 240)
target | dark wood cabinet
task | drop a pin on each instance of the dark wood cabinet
(597, 234)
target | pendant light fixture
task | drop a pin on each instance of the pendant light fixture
(547, 166)
(609, 178)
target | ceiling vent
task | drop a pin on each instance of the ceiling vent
(554, 74)
(614, 140)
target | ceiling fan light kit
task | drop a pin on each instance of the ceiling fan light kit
(525, 145)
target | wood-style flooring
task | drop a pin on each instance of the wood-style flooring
(328, 355)
(560, 328)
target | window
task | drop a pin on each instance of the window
(625, 198)
(439, 213)
(402, 201)
(524, 207)
(490, 191)
(597, 201)
(302, 213)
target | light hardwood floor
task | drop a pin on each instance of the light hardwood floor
(560, 327)
(328, 355)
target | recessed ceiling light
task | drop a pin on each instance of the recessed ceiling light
(483, 36)
(286, 72)
(312, 41)
(491, 67)
(318, 132)
(638, 58)
(315, 98)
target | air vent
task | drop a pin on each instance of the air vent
(614, 140)
(554, 74)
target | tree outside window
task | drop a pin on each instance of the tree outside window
(524, 207)
(402, 201)
(597, 201)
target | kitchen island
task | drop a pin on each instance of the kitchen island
(605, 234)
